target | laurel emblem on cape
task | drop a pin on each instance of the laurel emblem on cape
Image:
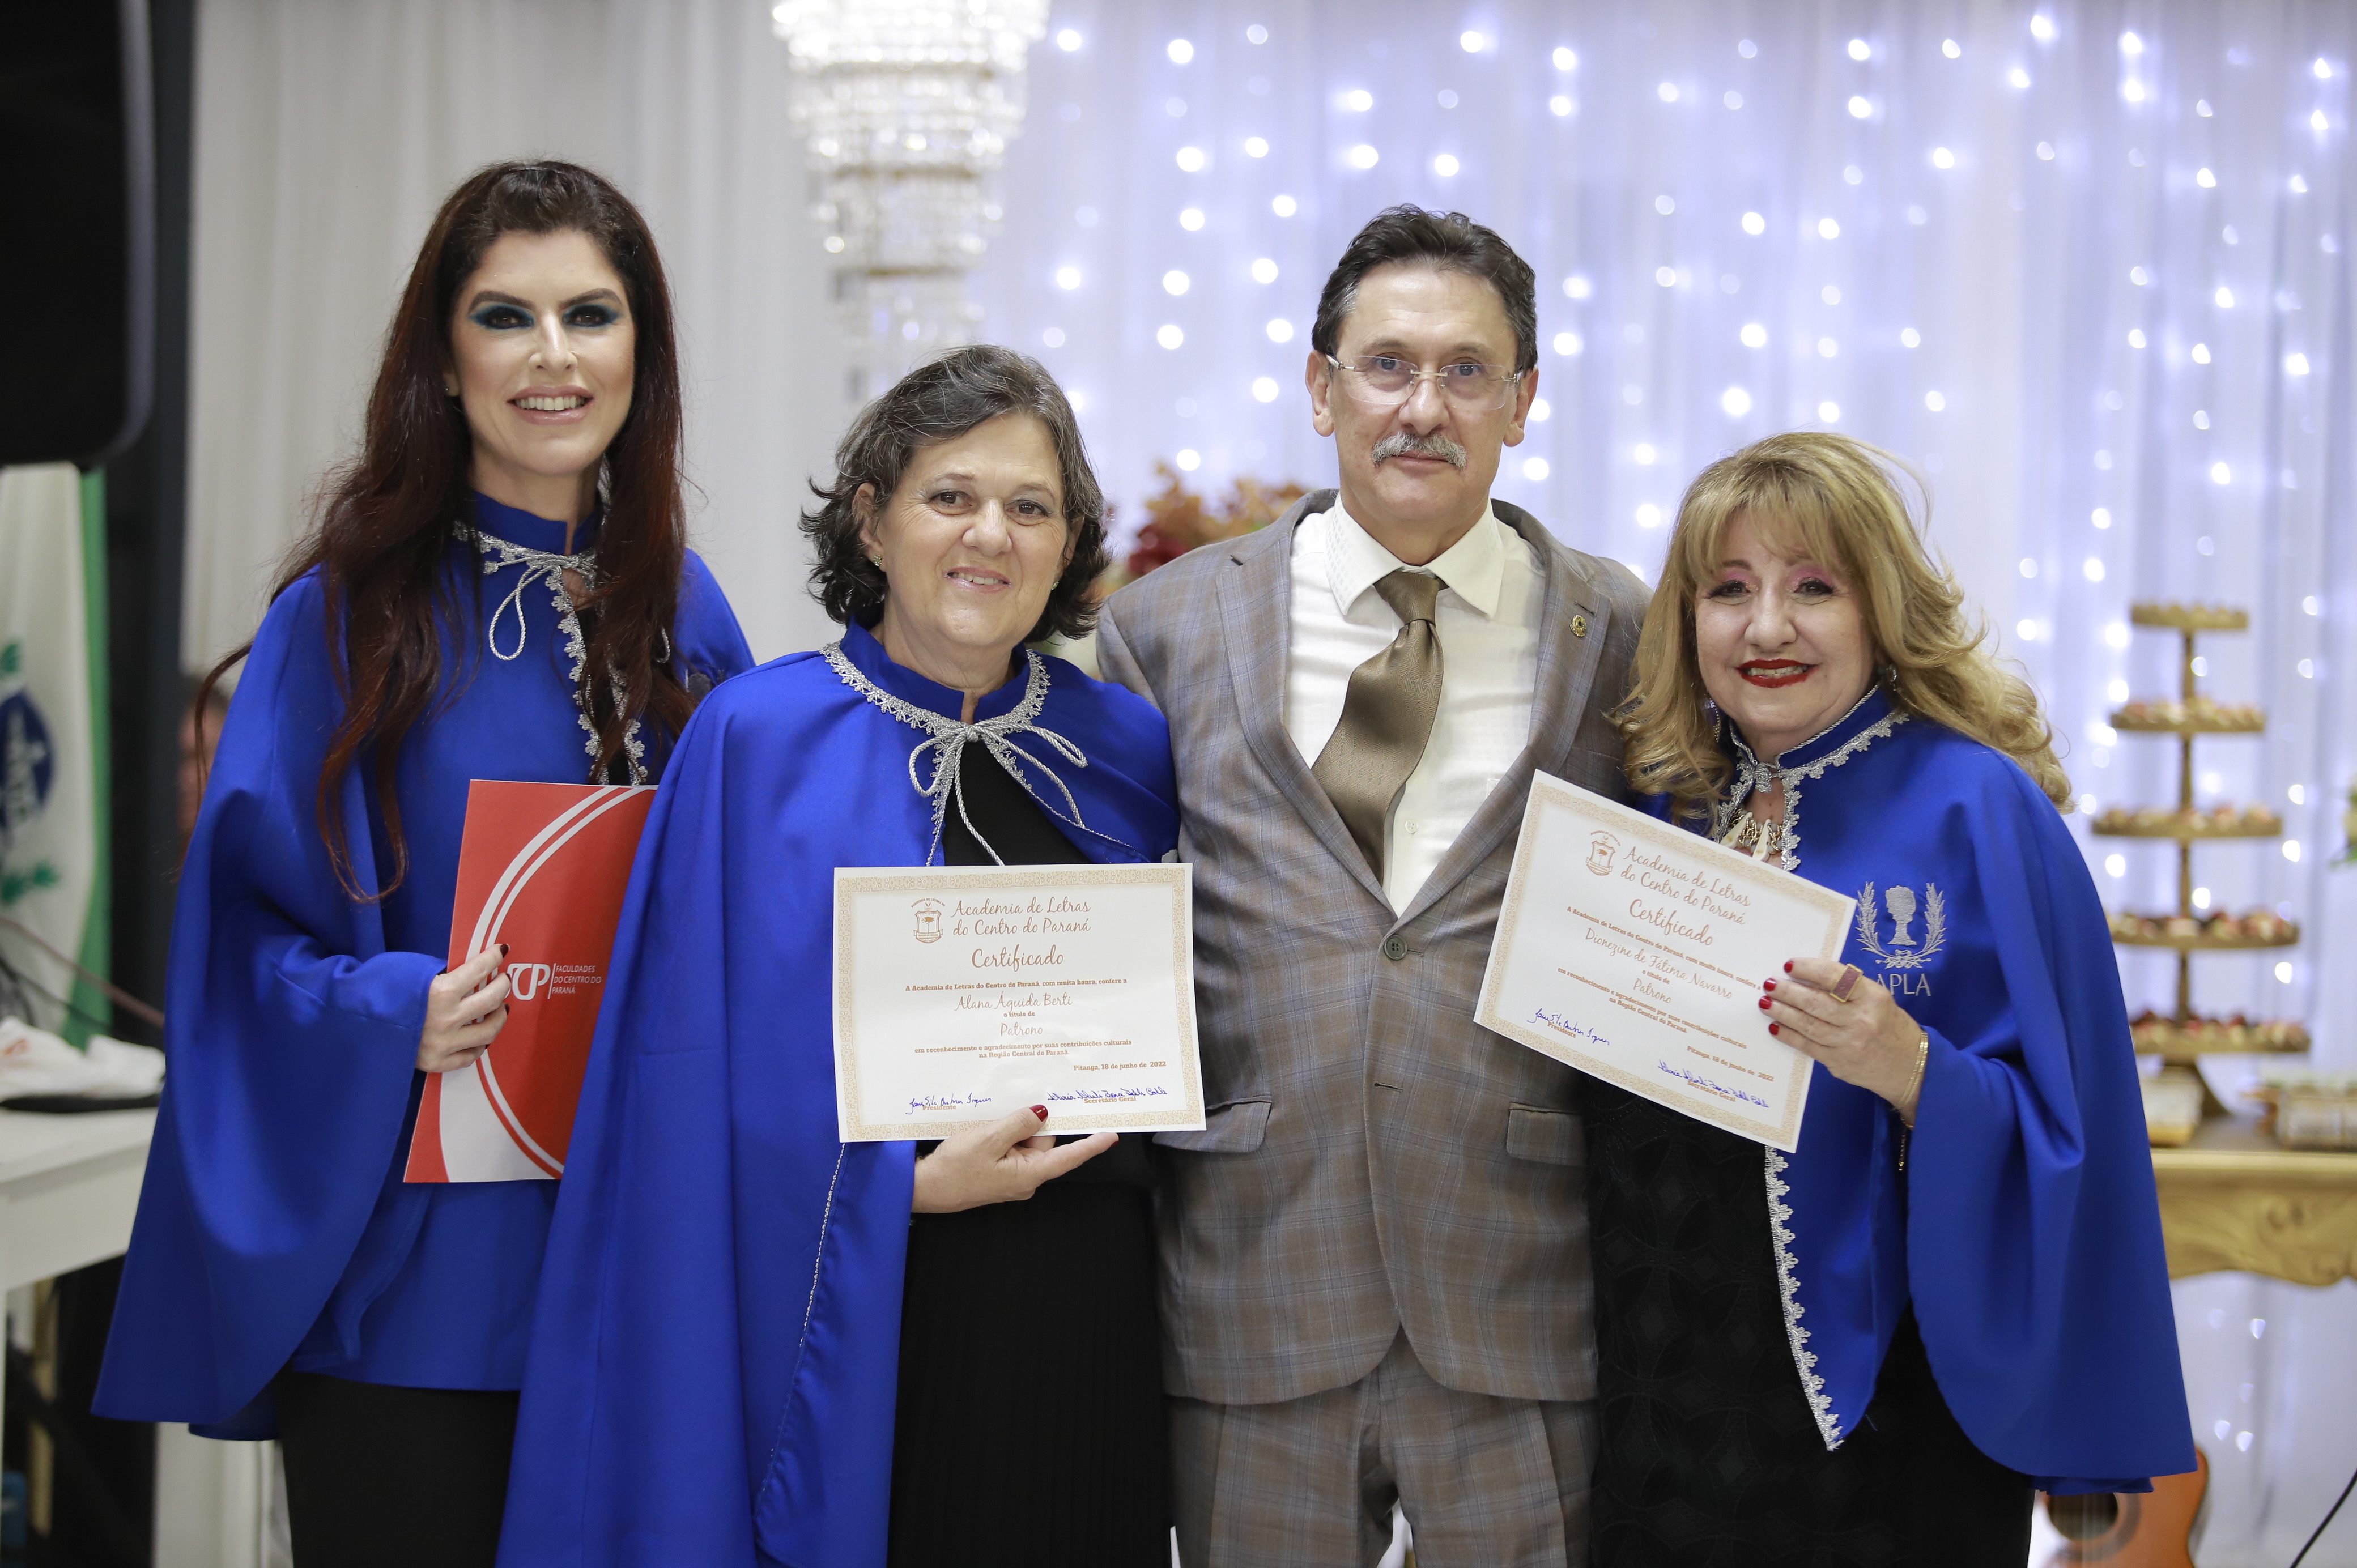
(1935, 929)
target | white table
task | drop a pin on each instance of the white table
(69, 1186)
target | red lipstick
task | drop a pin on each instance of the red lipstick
(1774, 672)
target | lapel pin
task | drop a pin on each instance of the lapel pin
(1579, 626)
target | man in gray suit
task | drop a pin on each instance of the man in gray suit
(1375, 1284)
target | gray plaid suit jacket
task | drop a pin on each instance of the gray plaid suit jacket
(1374, 1159)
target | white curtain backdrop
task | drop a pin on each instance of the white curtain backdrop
(328, 135)
(1987, 236)
(2085, 264)
(1747, 218)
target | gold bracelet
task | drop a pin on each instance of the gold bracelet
(1922, 1060)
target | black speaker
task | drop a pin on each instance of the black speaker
(79, 264)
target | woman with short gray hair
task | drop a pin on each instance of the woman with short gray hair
(732, 1295)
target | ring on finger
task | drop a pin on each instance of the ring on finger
(1850, 975)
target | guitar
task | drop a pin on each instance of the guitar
(2133, 1529)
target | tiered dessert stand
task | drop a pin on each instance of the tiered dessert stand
(2179, 1039)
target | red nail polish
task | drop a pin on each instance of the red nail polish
(1763, 1005)
(1041, 1112)
(1788, 966)
(1768, 985)
(1775, 1029)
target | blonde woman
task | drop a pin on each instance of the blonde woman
(1871, 1350)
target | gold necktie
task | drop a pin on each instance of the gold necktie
(1386, 716)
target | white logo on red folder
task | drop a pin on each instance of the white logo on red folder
(542, 868)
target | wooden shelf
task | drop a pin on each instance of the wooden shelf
(2188, 832)
(2190, 617)
(2199, 943)
(2234, 1199)
(2255, 725)
(2164, 1039)
(2189, 714)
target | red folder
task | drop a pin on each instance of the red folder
(542, 868)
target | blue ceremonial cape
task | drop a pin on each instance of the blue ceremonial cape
(275, 1227)
(716, 1353)
(2024, 1229)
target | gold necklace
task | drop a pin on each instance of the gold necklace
(1756, 835)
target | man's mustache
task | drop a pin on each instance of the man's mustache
(1400, 443)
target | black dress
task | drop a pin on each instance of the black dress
(1030, 1428)
(1708, 1452)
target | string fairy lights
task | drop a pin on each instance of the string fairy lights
(1727, 246)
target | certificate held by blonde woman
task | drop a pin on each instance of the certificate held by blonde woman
(1634, 952)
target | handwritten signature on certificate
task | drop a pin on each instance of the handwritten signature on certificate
(1147, 1092)
(946, 1101)
(1563, 1026)
(1587, 1035)
(1115, 1095)
(1711, 1086)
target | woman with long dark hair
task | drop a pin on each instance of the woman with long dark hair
(498, 587)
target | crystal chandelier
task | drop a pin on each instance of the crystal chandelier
(908, 106)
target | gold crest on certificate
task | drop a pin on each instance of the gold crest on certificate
(1634, 951)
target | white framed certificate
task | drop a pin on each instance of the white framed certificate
(1633, 950)
(964, 992)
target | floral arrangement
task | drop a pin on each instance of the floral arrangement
(1177, 519)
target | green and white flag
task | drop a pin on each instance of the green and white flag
(52, 741)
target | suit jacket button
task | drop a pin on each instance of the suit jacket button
(1395, 948)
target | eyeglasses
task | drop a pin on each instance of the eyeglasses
(1386, 380)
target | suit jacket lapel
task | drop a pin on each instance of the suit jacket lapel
(1255, 595)
(1567, 670)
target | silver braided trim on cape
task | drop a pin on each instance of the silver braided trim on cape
(546, 565)
(1788, 1285)
(1728, 824)
(947, 738)
(818, 1266)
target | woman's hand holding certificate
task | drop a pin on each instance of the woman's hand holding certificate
(1852, 1026)
(1005, 1162)
(964, 994)
(1635, 951)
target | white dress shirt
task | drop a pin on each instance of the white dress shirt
(1487, 623)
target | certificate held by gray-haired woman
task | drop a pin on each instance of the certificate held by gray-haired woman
(961, 994)
(1634, 951)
